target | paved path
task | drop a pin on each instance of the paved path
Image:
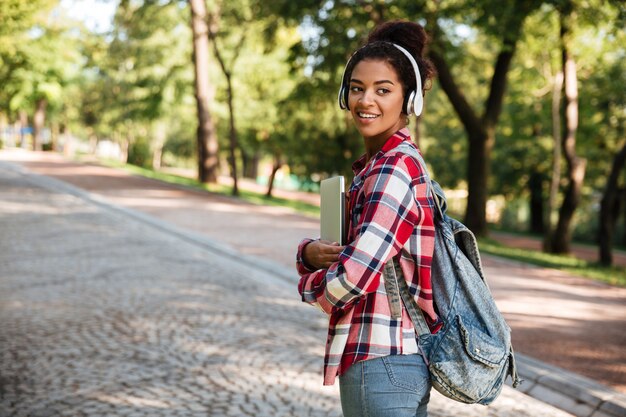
(104, 312)
(560, 319)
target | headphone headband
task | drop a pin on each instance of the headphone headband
(414, 100)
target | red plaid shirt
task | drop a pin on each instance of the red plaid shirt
(390, 210)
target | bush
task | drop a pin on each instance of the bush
(139, 153)
(181, 146)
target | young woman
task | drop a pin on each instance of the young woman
(373, 350)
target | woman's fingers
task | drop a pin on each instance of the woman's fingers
(329, 253)
(322, 253)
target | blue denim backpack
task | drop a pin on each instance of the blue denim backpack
(471, 356)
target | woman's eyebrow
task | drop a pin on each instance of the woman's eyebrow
(356, 81)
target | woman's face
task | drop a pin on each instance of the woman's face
(375, 99)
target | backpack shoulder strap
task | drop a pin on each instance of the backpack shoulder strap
(435, 189)
(395, 285)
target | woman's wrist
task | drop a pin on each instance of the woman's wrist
(302, 259)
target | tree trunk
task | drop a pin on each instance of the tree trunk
(232, 134)
(23, 123)
(124, 144)
(250, 164)
(5, 138)
(93, 143)
(128, 140)
(159, 138)
(206, 137)
(67, 141)
(39, 119)
(275, 167)
(576, 166)
(608, 212)
(212, 35)
(622, 197)
(54, 136)
(245, 163)
(535, 185)
(478, 171)
(556, 158)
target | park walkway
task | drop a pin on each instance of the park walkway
(559, 319)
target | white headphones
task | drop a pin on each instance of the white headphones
(413, 102)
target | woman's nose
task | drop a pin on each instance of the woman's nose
(367, 97)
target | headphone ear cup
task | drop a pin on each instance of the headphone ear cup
(409, 101)
(340, 99)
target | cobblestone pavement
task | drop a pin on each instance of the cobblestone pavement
(103, 315)
(573, 323)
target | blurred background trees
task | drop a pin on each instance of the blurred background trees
(525, 124)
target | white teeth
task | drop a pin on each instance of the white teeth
(367, 115)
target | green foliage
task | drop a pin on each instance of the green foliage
(139, 153)
(18, 16)
(317, 139)
(38, 56)
(525, 143)
(138, 82)
(260, 77)
(180, 146)
(334, 29)
(134, 84)
(145, 59)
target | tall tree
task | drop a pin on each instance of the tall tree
(41, 61)
(17, 16)
(480, 129)
(39, 119)
(206, 137)
(265, 127)
(561, 239)
(137, 76)
(556, 156)
(608, 208)
(237, 18)
(532, 117)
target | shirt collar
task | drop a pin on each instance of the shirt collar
(393, 141)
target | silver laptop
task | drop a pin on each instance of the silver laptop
(332, 209)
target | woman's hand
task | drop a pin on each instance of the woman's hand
(321, 254)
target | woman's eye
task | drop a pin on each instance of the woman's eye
(382, 91)
(355, 89)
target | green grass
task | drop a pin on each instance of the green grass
(245, 195)
(610, 275)
(613, 276)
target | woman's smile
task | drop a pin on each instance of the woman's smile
(364, 115)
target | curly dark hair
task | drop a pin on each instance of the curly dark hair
(412, 37)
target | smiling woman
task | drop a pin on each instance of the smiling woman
(376, 98)
(372, 344)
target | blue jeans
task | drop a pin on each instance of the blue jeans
(391, 386)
